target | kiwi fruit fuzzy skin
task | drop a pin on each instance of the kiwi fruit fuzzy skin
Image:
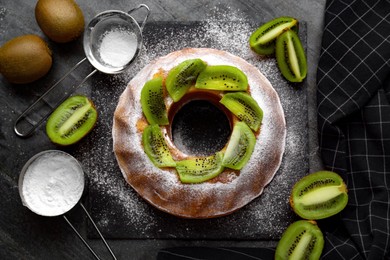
(61, 20)
(25, 59)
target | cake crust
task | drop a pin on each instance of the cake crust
(162, 187)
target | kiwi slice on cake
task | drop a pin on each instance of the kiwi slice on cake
(71, 120)
(223, 78)
(152, 102)
(319, 195)
(303, 239)
(240, 147)
(182, 77)
(200, 169)
(156, 147)
(291, 57)
(262, 41)
(244, 107)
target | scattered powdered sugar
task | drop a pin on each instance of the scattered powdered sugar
(122, 213)
(52, 184)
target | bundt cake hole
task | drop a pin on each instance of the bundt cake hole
(200, 125)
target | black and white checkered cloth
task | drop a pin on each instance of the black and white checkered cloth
(353, 98)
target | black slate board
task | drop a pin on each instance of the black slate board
(121, 213)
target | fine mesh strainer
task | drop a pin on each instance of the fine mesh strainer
(99, 26)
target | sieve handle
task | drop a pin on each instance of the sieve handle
(26, 123)
(96, 228)
(146, 16)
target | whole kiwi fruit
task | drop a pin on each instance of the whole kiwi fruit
(61, 20)
(25, 59)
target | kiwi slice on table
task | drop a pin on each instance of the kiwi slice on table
(291, 57)
(156, 147)
(319, 195)
(223, 78)
(262, 41)
(71, 120)
(182, 77)
(244, 107)
(152, 102)
(303, 239)
(200, 169)
(240, 147)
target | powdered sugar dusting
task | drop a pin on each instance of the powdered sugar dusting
(122, 213)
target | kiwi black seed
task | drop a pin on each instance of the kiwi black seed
(262, 41)
(245, 107)
(301, 240)
(200, 169)
(152, 102)
(240, 147)
(71, 120)
(319, 195)
(223, 78)
(291, 57)
(182, 77)
(156, 147)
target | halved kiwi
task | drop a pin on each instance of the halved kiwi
(71, 120)
(156, 148)
(319, 195)
(240, 147)
(182, 77)
(223, 78)
(291, 57)
(152, 102)
(302, 240)
(262, 41)
(244, 107)
(200, 169)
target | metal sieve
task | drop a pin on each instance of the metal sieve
(80, 181)
(100, 25)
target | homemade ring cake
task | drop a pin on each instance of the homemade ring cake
(199, 186)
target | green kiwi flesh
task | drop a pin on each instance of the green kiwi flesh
(262, 41)
(223, 78)
(240, 147)
(182, 77)
(71, 120)
(244, 107)
(152, 102)
(291, 57)
(319, 195)
(156, 147)
(301, 240)
(200, 169)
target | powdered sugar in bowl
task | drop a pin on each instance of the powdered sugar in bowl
(113, 40)
(51, 183)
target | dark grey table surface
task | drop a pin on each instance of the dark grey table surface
(23, 235)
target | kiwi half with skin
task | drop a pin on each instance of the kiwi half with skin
(200, 169)
(291, 57)
(240, 147)
(152, 102)
(156, 147)
(71, 120)
(319, 195)
(244, 107)
(262, 41)
(301, 240)
(223, 78)
(182, 77)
